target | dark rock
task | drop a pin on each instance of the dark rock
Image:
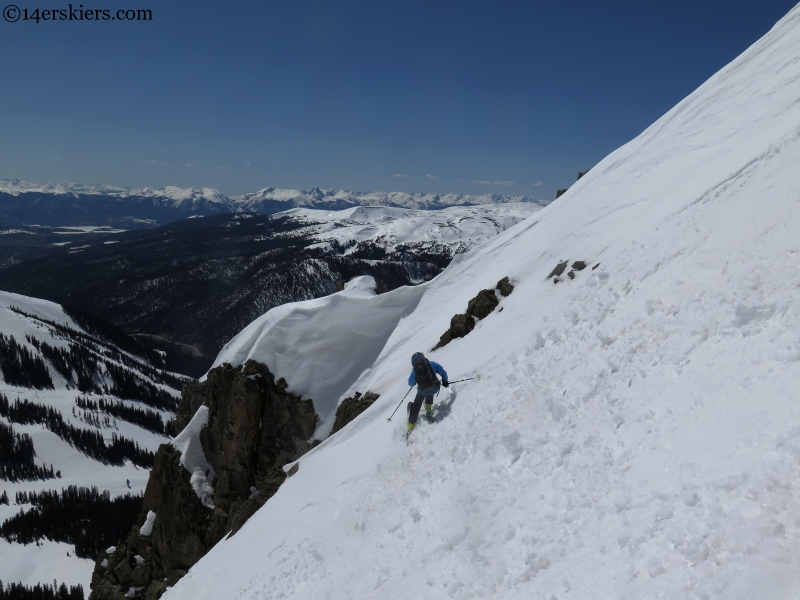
(594, 267)
(295, 468)
(582, 173)
(254, 428)
(351, 407)
(461, 325)
(482, 305)
(339, 286)
(560, 268)
(579, 265)
(505, 287)
(571, 274)
(560, 193)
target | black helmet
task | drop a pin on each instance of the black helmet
(415, 356)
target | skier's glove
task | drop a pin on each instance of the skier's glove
(446, 383)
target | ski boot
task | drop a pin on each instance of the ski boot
(429, 412)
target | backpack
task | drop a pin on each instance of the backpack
(423, 373)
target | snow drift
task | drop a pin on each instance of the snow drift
(636, 433)
(321, 346)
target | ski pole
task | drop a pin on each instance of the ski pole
(467, 379)
(398, 406)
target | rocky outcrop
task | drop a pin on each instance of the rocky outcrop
(254, 428)
(480, 307)
(557, 273)
(351, 407)
(560, 193)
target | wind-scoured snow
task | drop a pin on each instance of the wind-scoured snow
(193, 459)
(636, 430)
(321, 346)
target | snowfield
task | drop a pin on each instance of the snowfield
(636, 432)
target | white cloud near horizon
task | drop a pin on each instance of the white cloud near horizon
(483, 182)
(429, 176)
(538, 184)
(402, 175)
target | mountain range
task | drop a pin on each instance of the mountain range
(67, 204)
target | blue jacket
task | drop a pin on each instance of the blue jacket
(431, 391)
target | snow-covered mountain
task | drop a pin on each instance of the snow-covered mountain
(449, 231)
(199, 281)
(15, 187)
(635, 433)
(81, 404)
(69, 204)
(270, 200)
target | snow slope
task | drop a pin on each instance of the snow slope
(30, 563)
(637, 430)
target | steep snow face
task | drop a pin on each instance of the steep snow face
(635, 432)
(458, 228)
(321, 346)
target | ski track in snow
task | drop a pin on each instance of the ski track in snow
(636, 433)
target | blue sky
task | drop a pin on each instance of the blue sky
(435, 96)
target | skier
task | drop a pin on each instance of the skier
(423, 375)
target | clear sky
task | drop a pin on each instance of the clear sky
(436, 96)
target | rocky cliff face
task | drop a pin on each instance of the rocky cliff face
(480, 307)
(254, 428)
(351, 407)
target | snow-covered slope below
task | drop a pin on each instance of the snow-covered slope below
(28, 320)
(457, 228)
(636, 430)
